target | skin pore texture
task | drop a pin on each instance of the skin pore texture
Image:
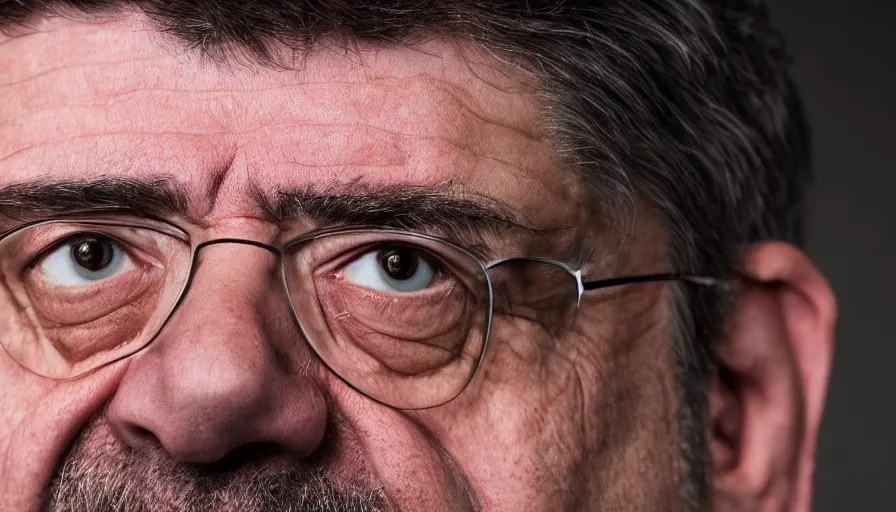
(574, 422)
(228, 400)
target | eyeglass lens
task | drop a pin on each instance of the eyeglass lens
(402, 318)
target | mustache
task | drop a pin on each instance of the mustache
(99, 473)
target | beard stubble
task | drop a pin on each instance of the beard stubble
(99, 473)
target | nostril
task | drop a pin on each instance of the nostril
(137, 436)
(143, 433)
(246, 456)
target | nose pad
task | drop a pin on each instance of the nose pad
(217, 379)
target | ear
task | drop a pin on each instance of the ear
(768, 393)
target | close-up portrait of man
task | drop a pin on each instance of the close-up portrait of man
(405, 255)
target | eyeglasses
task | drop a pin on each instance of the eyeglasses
(402, 317)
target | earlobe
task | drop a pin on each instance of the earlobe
(768, 392)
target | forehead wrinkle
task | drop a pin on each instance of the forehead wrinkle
(470, 131)
(88, 136)
(447, 92)
(61, 43)
(439, 141)
(471, 69)
(481, 131)
(241, 99)
(49, 73)
(421, 172)
(216, 182)
(189, 80)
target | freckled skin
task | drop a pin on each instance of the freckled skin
(581, 420)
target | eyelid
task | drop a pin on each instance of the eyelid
(138, 254)
(470, 240)
(431, 259)
(42, 254)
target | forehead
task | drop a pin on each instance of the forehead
(116, 98)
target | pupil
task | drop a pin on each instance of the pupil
(400, 264)
(92, 253)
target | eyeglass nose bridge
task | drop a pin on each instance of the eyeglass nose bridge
(238, 241)
(194, 266)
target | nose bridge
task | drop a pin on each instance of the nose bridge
(219, 374)
(241, 277)
(224, 253)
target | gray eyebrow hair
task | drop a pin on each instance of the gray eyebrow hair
(424, 208)
(46, 198)
(413, 207)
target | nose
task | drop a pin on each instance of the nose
(225, 372)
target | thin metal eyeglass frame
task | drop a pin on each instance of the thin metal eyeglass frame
(279, 251)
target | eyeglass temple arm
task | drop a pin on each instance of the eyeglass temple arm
(618, 281)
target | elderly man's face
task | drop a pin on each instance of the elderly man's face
(228, 408)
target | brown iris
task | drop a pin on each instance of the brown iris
(400, 263)
(92, 252)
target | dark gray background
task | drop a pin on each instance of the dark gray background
(845, 66)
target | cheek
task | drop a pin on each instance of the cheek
(518, 431)
(414, 468)
(38, 420)
(22, 393)
(553, 419)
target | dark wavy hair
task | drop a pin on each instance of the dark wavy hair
(687, 103)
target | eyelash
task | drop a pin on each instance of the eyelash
(43, 253)
(472, 241)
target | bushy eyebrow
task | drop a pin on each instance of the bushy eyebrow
(422, 208)
(35, 199)
(411, 207)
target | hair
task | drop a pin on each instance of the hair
(686, 103)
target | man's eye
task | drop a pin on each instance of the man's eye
(84, 259)
(395, 269)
